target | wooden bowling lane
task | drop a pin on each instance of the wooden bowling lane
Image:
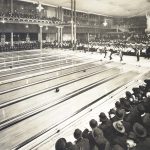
(39, 68)
(7, 85)
(22, 131)
(52, 81)
(72, 82)
(26, 56)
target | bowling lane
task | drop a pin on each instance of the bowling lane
(30, 66)
(57, 114)
(17, 57)
(26, 62)
(50, 97)
(36, 77)
(50, 82)
(39, 68)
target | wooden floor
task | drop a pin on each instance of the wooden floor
(33, 115)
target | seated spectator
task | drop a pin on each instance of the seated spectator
(119, 135)
(146, 122)
(119, 115)
(118, 105)
(106, 126)
(129, 97)
(141, 133)
(81, 143)
(61, 144)
(98, 136)
(131, 141)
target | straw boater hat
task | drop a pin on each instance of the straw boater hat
(119, 127)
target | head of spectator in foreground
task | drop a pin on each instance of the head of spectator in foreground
(93, 123)
(122, 101)
(118, 126)
(148, 95)
(61, 144)
(77, 134)
(118, 105)
(128, 95)
(103, 117)
(85, 133)
(139, 130)
(140, 109)
(127, 106)
(120, 114)
(131, 140)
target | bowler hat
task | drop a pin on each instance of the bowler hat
(102, 117)
(119, 114)
(139, 130)
(146, 120)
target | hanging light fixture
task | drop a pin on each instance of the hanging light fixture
(105, 23)
(39, 7)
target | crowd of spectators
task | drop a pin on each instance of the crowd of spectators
(126, 127)
(37, 16)
(106, 46)
(19, 47)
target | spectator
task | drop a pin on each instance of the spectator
(119, 136)
(98, 136)
(81, 143)
(106, 126)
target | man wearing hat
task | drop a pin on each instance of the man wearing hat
(105, 126)
(141, 133)
(119, 137)
(119, 116)
(100, 140)
(146, 122)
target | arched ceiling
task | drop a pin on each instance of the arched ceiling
(105, 7)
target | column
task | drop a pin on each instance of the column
(58, 34)
(28, 38)
(88, 37)
(75, 25)
(72, 33)
(12, 6)
(75, 36)
(12, 39)
(3, 38)
(40, 37)
(61, 36)
(72, 22)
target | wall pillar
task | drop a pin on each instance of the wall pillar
(12, 6)
(3, 39)
(12, 39)
(40, 36)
